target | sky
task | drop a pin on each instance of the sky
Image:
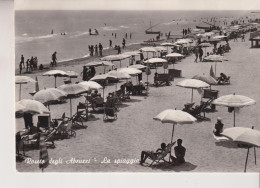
(137, 4)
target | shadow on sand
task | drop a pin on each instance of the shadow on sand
(187, 166)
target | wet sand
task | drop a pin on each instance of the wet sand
(135, 130)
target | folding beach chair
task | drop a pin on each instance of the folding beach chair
(161, 156)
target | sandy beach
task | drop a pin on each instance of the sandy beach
(121, 141)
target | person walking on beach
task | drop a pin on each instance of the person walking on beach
(243, 37)
(130, 36)
(96, 50)
(100, 49)
(123, 43)
(84, 73)
(126, 35)
(200, 53)
(31, 63)
(118, 49)
(110, 43)
(115, 35)
(54, 58)
(22, 61)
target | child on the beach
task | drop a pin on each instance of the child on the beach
(218, 127)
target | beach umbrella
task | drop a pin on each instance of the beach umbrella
(193, 84)
(167, 44)
(56, 73)
(174, 55)
(19, 108)
(138, 66)
(219, 37)
(147, 50)
(91, 85)
(215, 58)
(72, 74)
(175, 117)
(103, 78)
(33, 106)
(244, 135)
(130, 71)
(208, 79)
(23, 80)
(155, 61)
(119, 75)
(234, 101)
(100, 63)
(72, 90)
(132, 53)
(49, 95)
(118, 57)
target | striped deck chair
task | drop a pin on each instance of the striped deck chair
(162, 155)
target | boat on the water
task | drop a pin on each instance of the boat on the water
(150, 31)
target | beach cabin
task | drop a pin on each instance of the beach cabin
(255, 38)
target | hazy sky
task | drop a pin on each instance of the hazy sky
(139, 4)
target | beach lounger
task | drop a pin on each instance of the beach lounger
(197, 110)
(65, 130)
(109, 112)
(224, 82)
(161, 157)
(76, 120)
(162, 79)
(139, 90)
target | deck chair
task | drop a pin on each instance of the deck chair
(65, 130)
(77, 120)
(161, 157)
(197, 110)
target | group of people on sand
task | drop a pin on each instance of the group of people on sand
(186, 31)
(31, 64)
(96, 50)
(88, 73)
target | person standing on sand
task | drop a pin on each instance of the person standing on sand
(118, 49)
(218, 127)
(115, 35)
(200, 53)
(110, 43)
(126, 35)
(27, 65)
(179, 152)
(84, 73)
(100, 49)
(130, 36)
(96, 50)
(20, 68)
(123, 43)
(22, 61)
(196, 54)
(54, 58)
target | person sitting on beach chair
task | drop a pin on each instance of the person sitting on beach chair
(179, 151)
(151, 154)
(222, 78)
(218, 127)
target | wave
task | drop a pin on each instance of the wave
(80, 34)
(25, 37)
(123, 26)
(169, 23)
(109, 28)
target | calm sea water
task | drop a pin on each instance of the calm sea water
(33, 29)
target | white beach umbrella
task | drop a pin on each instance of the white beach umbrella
(244, 135)
(155, 60)
(234, 101)
(23, 80)
(167, 44)
(138, 66)
(119, 75)
(174, 55)
(208, 79)
(56, 73)
(72, 90)
(33, 106)
(118, 57)
(193, 84)
(147, 50)
(219, 37)
(175, 117)
(91, 85)
(49, 95)
(19, 108)
(72, 74)
(132, 53)
(130, 71)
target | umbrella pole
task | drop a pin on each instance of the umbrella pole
(172, 131)
(215, 68)
(104, 94)
(20, 92)
(234, 118)
(70, 108)
(246, 158)
(55, 81)
(191, 95)
(147, 85)
(255, 155)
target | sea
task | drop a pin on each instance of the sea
(38, 33)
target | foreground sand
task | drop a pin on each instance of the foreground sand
(135, 130)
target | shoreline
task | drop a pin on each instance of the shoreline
(81, 60)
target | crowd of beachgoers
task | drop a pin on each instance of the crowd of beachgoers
(105, 93)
